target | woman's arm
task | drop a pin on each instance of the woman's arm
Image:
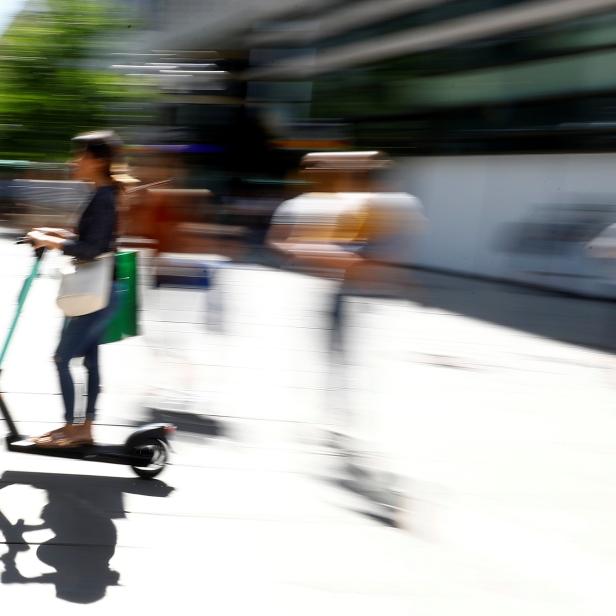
(96, 232)
(55, 232)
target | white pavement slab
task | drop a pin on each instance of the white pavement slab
(500, 442)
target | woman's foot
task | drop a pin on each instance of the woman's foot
(83, 432)
(70, 435)
(34, 439)
(50, 439)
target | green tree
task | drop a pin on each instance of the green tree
(49, 86)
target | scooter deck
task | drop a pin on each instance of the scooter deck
(113, 454)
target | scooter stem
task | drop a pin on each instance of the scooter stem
(21, 300)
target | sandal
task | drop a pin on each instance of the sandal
(62, 438)
(47, 435)
(65, 443)
(51, 439)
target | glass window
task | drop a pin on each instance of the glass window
(551, 89)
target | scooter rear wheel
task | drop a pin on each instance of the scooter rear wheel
(158, 451)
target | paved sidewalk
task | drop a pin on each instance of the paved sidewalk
(499, 440)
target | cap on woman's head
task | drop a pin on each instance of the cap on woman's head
(101, 144)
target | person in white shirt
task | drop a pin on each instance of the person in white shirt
(349, 229)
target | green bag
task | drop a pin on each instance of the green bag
(124, 323)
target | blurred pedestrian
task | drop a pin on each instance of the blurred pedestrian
(350, 229)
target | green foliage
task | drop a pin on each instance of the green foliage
(49, 87)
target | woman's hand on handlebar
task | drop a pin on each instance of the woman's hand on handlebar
(43, 240)
(55, 232)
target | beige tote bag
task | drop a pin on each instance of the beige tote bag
(86, 285)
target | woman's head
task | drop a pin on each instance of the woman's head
(95, 154)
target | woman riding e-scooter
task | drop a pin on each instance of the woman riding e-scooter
(94, 236)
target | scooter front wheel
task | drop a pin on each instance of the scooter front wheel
(158, 453)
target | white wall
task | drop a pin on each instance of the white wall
(469, 200)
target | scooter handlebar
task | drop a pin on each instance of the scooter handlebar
(39, 252)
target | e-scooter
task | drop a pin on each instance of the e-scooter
(146, 450)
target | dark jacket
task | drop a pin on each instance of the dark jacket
(96, 228)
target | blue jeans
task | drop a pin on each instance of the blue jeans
(81, 337)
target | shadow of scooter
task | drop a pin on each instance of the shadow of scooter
(80, 512)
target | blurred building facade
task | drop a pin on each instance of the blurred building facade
(498, 111)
